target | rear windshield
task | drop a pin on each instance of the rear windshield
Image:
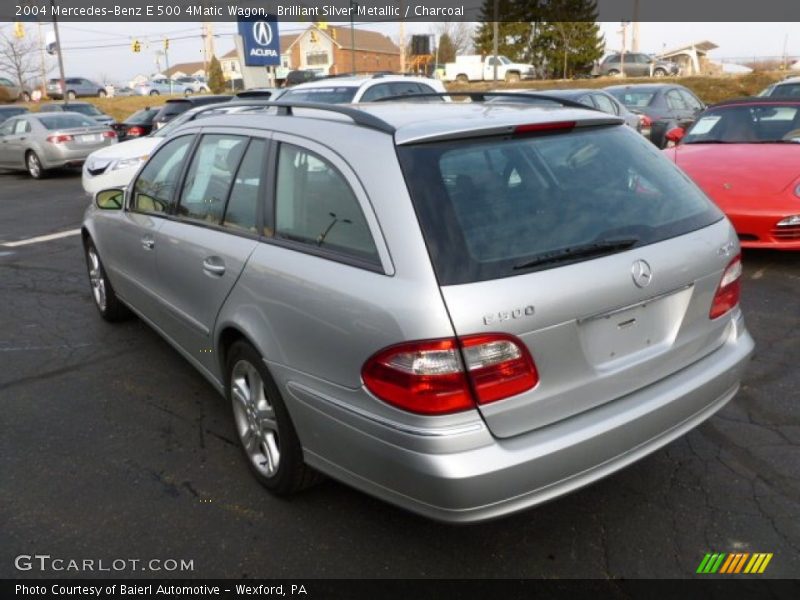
(488, 208)
(66, 121)
(325, 95)
(633, 99)
(84, 109)
(142, 116)
(175, 108)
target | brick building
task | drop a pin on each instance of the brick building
(329, 50)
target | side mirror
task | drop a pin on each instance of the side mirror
(111, 199)
(675, 134)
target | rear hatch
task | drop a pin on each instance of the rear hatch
(584, 243)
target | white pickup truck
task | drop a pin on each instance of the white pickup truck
(475, 68)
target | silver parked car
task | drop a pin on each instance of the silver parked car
(41, 141)
(494, 306)
(76, 87)
(636, 64)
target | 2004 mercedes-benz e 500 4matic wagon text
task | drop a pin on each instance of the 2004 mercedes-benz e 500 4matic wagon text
(465, 309)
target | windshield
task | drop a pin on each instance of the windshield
(496, 208)
(324, 95)
(633, 99)
(747, 124)
(65, 121)
(84, 109)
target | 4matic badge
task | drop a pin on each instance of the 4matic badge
(507, 315)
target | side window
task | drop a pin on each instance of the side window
(614, 58)
(154, 190)
(4, 81)
(22, 127)
(692, 102)
(210, 177)
(376, 92)
(7, 128)
(587, 100)
(242, 210)
(605, 104)
(314, 205)
(674, 101)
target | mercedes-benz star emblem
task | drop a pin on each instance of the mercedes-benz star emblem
(262, 33)
(642, 273)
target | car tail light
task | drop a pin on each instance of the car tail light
(59, 139)
(109, 134)
(432, 378)
(135, 131)
(645, 121)
(729, 289)
(534, 127)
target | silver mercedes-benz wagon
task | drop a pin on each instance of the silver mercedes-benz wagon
(463, 308)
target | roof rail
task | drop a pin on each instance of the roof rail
(360, 117)
(482, 97)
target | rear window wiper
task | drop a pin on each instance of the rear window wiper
(581, 251)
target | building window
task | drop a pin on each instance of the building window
(316, 58)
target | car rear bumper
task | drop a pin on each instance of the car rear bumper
(496, 477)
(55, 156)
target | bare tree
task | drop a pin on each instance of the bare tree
(460, 35)
(18, 57)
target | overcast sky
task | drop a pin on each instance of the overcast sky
(120, 64)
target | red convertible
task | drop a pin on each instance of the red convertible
(745, 155)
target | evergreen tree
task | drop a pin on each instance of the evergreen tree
(447, 51)
(515, 29)
(561, 37)
(568, 39)
(216, 81)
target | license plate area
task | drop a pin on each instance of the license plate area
(90, 138)
(629, 334)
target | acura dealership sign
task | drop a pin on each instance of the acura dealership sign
(262, 46)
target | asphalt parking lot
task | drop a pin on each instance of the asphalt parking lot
(112, 447)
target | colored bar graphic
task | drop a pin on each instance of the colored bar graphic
(731, 564)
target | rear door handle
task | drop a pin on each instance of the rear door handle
(214, 265)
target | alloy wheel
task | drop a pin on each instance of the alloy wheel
(34, 166)
(96, 279)
(255, 418)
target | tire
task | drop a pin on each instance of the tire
(266, 433)
(101, 93)
(105, 299)
(512, 77)
(187, 93)
(659, 73)
(154, 92)
(613, 73)
(71, 95)
(34, 165)
(461, 78)
(25, 97)
(203, 90)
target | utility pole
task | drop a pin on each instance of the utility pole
(495, 36)
(42, 61)
(635, 34)
(60, 56)
(402, 42)
(353, 5)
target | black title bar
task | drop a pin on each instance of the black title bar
(397, 10)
